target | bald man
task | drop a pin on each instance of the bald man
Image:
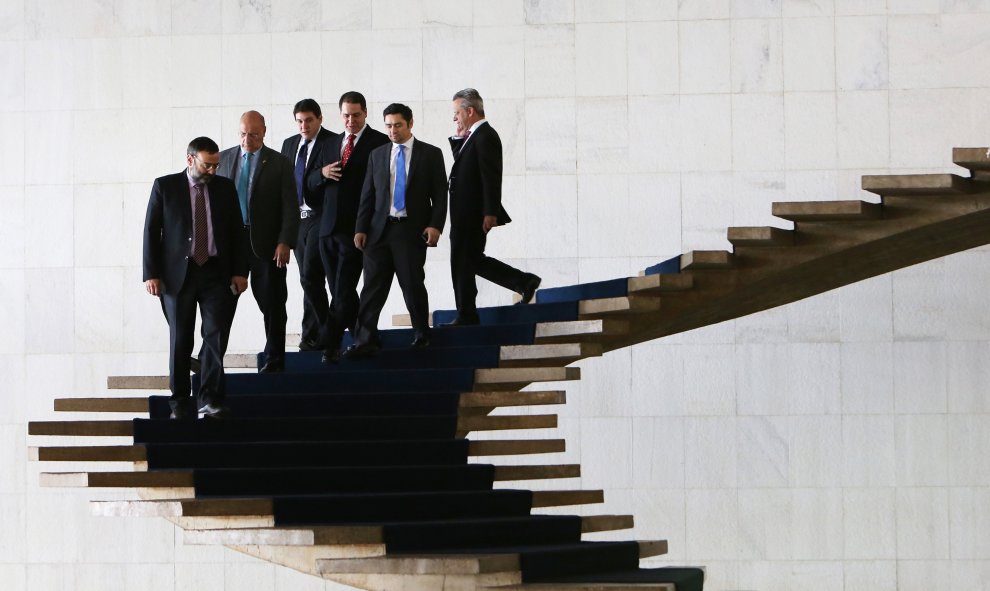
(266, 191)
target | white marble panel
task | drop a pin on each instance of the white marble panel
(712, 524)
(706, 209)
(543, 12)
(593, 11)
(48, 75)
(499, 63)
(922, 523)
(600, 59)
(964, 308)
(13, 533)
(54, 218)
(607, 452)
(814, 451)
(12, 64)
(63, 19)
(14, 577)
(551, 202)
(969, 522)
(815, 319)
(12, 366)
(352, 70)
(654, 134)
(655, 205)
(50, 376)
(920, 377)
(551, 143)
(922, 449)
(12, 227)
(965, 6)
(296, 67)
(550, 61)
(710, 452)
(757, 55)
(809, 44)
(510, 13)
(396, 54)
(146, 59)
(13, 145)
(197, 17)
(860, 7)
(602, 135)
(704, 9)
(658, 452)
(753, 193)
(870, 575)
(99, 158)
(869, 523)
(800, 8)
(345, 15)
(445, 50)
(200, 577)
(48, 325)
(861, 53)
(759, 389)
(926, 124)
(768, 326)
(246, 16)
(969, 438)
(98, 300)
(95, 67)
(13, 24)
(913, 6)
(653, 58)
(758, 132)
(98, 234)
(764, 523)
(966, 376)
(916, 575)
(866, 309)
(762, 456)
(658, 381)
(810, 185)
(919, 301)
(247, 69)
(296, 15)
(709, 380)
(745, 9)
(867, 378)
(868, 450)
(256, 575)
(863, 129)
(810, 130)
(603, 206)
(706, 133)
(287, 579)
(704, 52)
(189, 87)
(14, 455)
(606, 384)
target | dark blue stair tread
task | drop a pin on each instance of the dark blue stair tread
(530, 313)
(683, 578)
(668, 266)
(295, 429)
(374, 508)
(360, 479)
(612, 288)
(464, 336)
(399, 380)
(323, 454)
(392, 359)
(331, 404)
(476, 533)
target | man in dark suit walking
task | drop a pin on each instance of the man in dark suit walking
(403, 210)
(339, 179)
(476, 208)
(193, 256)
(304, 150)
(266, 191)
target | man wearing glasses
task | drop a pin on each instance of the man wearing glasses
(193, 257)
(266, 191)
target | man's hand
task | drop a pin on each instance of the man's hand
(281, 257)
(332, 171)
(153, 287)
(489, 222)
(432, 236)
(239, 284)
(360, 239)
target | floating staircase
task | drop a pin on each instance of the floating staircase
(366, 473)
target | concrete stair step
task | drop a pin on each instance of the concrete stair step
(621, 306)
(909, 185)
(659, 283)
(827, 211)
(706, 259)
(515, 378)
(975, 159)
(581, 330)
(556, 353)
(760, 236)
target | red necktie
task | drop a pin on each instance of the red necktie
(347, 151)
(201, 246)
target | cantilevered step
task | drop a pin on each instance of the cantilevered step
(659, 283)
(908, 185)
(696, 260)
(547, 354)
(137, 382)
(516, 377)
(975, 159)
(596, 329)
(827, 211)
(760, 236)
(621, 306)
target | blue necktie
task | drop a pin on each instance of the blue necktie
(243, 183)
(399, 195)
(300, 170)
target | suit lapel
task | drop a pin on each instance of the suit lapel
(416, 156)
(185, 196)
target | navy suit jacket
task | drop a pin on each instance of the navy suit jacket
(314, 199)
(476, 179)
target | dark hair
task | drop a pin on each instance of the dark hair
(355, 97)
(202, 144)
(470, 97)
(308, 106)
(398, 109)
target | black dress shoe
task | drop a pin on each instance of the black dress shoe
(464, 321)
(362, 351)
(421, 341)
(330, 356)
(214, 411)
(529, 287)
(309, 345)
(273, 365)
(194, 365)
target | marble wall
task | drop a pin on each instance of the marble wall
(837, 443)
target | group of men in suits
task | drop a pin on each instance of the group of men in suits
(358, 201)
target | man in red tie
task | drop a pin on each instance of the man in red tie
(339, 179)
(193, 257)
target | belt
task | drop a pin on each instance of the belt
(395, 220)
(307, 213)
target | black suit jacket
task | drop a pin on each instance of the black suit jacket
(342, 198)
(289, 148)
(168, 230)
(272, 205)
(426, 190)
(476, 178)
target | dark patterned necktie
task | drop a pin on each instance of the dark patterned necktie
(347, 151)
(300, 170)
(201, 246)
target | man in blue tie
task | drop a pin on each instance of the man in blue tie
(402, 212)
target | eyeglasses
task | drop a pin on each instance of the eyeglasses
(254, 136)
(207, 165)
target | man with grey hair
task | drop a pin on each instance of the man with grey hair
(476, 207)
